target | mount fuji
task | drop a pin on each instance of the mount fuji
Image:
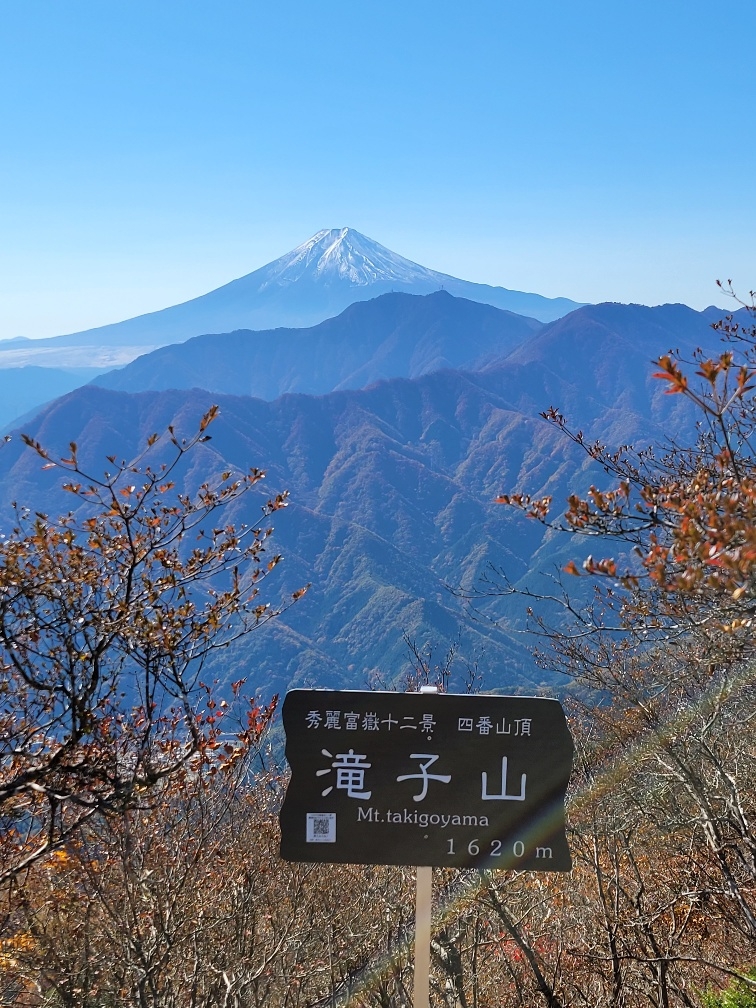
(313, 282)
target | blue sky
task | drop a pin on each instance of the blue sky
(151, 151)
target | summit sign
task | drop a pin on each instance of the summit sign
(453, 781)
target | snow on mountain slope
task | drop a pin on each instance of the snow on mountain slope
(345, 254)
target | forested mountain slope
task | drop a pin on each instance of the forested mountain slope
(392, 490)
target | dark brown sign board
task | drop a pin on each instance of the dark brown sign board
(453, 781)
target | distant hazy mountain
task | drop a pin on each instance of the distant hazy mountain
(392, 488)
(392, 336)
(314, 282)
(23, 389)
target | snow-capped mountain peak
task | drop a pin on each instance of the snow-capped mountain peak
(346, 255)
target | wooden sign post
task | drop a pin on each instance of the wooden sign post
(423, 900)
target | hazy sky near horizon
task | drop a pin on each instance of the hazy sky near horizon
(152, 151)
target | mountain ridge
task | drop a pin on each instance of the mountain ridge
(391, 336)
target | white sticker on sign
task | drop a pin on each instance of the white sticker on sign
(321, 827)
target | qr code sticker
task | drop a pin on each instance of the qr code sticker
(321, 827)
